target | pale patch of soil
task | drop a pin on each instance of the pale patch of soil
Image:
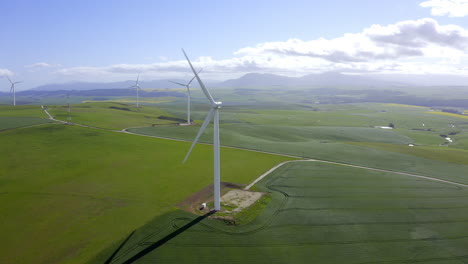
(240, 199)
(192, 203)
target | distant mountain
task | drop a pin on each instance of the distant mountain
(324, 79)
(252, 80)
(426, 79)
(99, 92)
(81, 86)
(258, 79)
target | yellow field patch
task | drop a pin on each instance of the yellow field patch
(149, 100)
(405, 105)
(447, 114)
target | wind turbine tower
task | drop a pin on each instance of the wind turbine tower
(12, 89)
(68, 102)
(214, 112)
(137, 87)
(188, 96)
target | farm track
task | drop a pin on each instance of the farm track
(265, 152)
(275, 186)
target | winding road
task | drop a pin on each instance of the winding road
(279, 154)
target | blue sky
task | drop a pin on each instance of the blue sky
(60, 41)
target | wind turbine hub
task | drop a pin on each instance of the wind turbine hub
(217, 105)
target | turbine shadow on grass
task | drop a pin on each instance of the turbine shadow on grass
(165, 239)
(109, 260)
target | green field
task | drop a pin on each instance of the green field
(21, 116)
(111, 115)
(320, 213)
(66, 192)
(22, 111)
(297, 141)
(72, 195)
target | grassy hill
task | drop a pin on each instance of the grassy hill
(319, 213)
(111, 115)
(67, 192)
(21, 116)
(346, 133)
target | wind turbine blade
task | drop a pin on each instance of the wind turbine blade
(178, 83)
(208, 95)
(17, 82)
(194, 78)
(9, 80)
(138, 78)
(202, 128)
(12, 88)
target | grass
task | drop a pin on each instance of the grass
(21, 116)
(448, 114)
(332, 146)
(320, 213)
(22, 111)
(458, 156)
(142, 100)
(16, 122)
(249, 214)
(111, 115)
(84, 190)
(67, 192)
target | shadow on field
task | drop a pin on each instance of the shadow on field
(118, 249)
(160, 242)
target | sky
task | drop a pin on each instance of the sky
(56, 41)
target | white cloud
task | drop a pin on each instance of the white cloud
(401, 40)
(42, 65)
(5, 72)
(414, 46)
(451, 8)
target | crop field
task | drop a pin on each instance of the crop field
(319, 213)
(111, 115)
(84, 190)
(15, 122)
(22, 111)
(343, 137)
(21, 116)
(67, 192)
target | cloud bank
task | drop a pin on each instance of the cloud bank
(451, 8)
(413, 46)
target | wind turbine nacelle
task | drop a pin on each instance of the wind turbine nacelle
(217, 105)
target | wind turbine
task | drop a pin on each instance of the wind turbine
(137, 87)
(214, 111)
(188, 96)
(68, 102)
(12, 89)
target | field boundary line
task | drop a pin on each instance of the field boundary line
(265, 152)
(14, 128)
(270, 171)
(352, 166)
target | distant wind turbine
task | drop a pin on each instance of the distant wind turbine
(137, 87)
(12, 89)
(214, 111)
(68, 102)
(188, 96)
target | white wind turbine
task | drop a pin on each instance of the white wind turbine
(137, 87)
(214, 111)
(188, 96)
(12, 89)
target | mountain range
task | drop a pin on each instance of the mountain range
(328, 79)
